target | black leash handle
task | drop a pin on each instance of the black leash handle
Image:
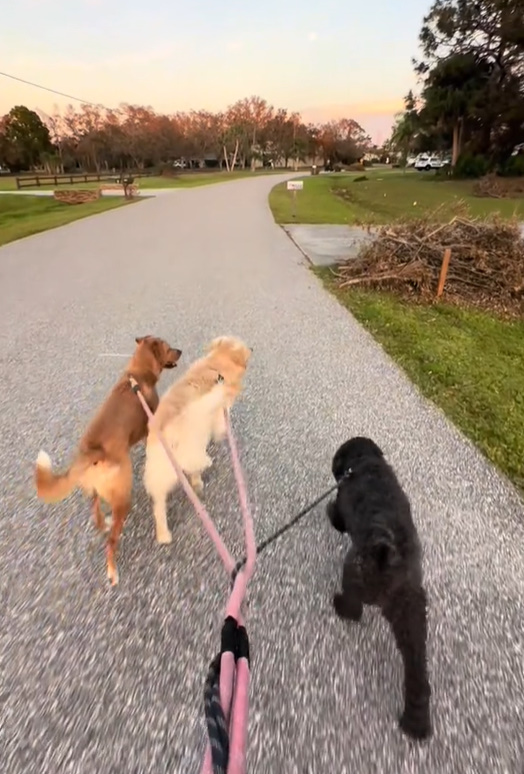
(234, 640)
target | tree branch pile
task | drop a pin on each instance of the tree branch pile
(486, 267)
(499, 187)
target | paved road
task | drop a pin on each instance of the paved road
(96, 681)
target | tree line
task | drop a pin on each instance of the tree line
(472, 87)
(249, 133)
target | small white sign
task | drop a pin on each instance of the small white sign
(295, 185)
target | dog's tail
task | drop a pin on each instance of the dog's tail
(51, 487)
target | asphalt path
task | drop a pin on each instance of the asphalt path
(97, 680)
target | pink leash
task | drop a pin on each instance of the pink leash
(226, 696)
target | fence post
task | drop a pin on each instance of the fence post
(18, 183)
(37, 181)
(443, 271)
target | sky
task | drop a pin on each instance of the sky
(324, 58)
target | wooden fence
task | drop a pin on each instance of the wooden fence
(35, 181)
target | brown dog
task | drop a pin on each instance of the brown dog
(102, 467)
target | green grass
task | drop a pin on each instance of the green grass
(467, 362)
(182, 181)
(21, 216)
(384, 198)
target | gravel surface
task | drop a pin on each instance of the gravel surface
(100, 681)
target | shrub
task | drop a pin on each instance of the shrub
(513, 167)
(471, 166)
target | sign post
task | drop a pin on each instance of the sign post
(294, 186)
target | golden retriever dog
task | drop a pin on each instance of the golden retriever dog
(189, 414)
(102, 467)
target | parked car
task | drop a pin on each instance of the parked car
(426, 161)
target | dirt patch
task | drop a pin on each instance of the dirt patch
(486, 269)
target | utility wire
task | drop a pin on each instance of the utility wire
(53, 91)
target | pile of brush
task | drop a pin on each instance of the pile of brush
(497, 187)
(486, 268)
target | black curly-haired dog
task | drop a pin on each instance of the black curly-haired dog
(383, 566)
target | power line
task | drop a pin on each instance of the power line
(53, 91)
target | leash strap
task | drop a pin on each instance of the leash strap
(226, 692)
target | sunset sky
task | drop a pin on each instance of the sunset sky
(330, 59)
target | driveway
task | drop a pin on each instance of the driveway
(100, 680)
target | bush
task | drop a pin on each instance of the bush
(471, 166)
(513, 167)
(166, 170)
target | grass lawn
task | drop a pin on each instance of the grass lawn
(467, 362)
(182, 181)
(21, 216)
(383, 198)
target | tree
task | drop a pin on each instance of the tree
(406, 128)
(248, 132)
(25, 137)
(481, 41)
(454, 95)
(343, 141)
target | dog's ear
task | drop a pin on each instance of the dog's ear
(140, 339)
(384, 553)
(335, 517)
(158, 350)
(339, 464)
(217, 342)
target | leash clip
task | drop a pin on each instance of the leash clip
(134, 385)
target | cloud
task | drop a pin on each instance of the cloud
(312, 36)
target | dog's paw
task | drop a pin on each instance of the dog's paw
(197, 485)
(112, 576)
(347, 609)
(195, 479)
(164, 538)
(417, 727)
(338, 604)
